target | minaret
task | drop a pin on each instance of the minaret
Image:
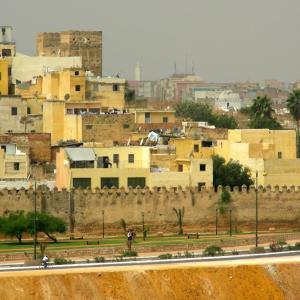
(138, 72)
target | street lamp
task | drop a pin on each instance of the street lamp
(103, 224)
(216, 221)
(34, 223)
(143, 223)
(256, 210)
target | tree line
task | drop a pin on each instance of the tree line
(18, 223)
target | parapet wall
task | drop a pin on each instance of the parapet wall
(83, 208)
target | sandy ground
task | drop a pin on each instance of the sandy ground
(265, 278)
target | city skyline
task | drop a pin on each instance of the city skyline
(230, 41)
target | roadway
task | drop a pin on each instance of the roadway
(262, 258)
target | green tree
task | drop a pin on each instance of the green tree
(180, 214)
(48, 224)
(202, 112)
(293, 104)
(230, 174)
(261, 114)
(14, 224)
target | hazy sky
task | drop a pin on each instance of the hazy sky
(226, 39)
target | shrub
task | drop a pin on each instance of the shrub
(235, 252)
(128, 253)
(213, 251)
(63, 261)
(297, 246)
(99, 259)
(259, 249)
(118, 258)
(188, 254)
(165, 256)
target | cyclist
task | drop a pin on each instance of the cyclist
(45, 261)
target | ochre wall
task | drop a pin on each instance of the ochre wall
(277, 208)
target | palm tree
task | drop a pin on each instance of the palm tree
(293, 104)
(180, 214)
(261, 107)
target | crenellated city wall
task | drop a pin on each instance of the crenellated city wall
(82, 209)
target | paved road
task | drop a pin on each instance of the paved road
(263, 257)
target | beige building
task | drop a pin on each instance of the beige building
(144, 116)
(270, 152)
(68, 84)
(86, 44)
(25, 68)
(122, 167)
(13, 163)
(108, 91)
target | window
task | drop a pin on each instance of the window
(125, 126)
(180, 168)
(202, 167)
(116, 158)
(115, 87)
(147, 118)
(9, 71)
(6, 52)
(207, 143)
(69, 111)
(103, 162)
(76, 73)
(82, 164)
(196, 148)
(136, 181)
(28, 110)
(14, 111)
(16, 166)
(279, 155)
(88, 127)
(82, 183)
(77, 88)
(110, 182)
(165, 119)
(131, 158)
(200, 184)
(3, 147)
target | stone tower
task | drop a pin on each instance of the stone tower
(87, 44)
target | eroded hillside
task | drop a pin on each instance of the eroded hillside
(269, 281)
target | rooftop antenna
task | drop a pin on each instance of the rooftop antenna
(186, 62)
(175, 68)
(193, 68)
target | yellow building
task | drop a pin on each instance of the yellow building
(68, 84)
(124, 167)
(143, 116)
(13, 163)
(185, 162)
(108, 91)
(100, 167)
(270, 152)
(4, 78)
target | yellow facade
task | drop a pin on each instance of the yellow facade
(13, 165)
(272, 153)
(154, 116)
(68, 84)
(109, 92)
(4, 78)
(132, 162)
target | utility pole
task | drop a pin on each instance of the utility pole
(230, 222)
(216, 221)
(143, 223)
(256, 209)
(103, 224)
(34, 223)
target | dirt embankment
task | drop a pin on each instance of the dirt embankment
(270, 281)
